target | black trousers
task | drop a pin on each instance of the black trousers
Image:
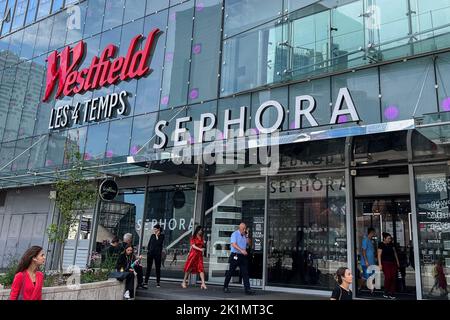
(139, 274)
(150, 258)
(129, 283)
(241, 261)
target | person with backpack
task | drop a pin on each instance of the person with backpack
(344, 279)
(28, 281)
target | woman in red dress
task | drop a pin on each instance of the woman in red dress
(28, 282)
(194, 262)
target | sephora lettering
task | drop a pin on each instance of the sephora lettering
(62, 67)
(304, 109)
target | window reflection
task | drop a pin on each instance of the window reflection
(307, 240)
(432, 189)
(96, 141)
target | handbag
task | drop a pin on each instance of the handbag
(118, 275)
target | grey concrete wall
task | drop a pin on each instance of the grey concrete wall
(105, 290)
(23, 221)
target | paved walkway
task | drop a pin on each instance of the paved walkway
(173, 291)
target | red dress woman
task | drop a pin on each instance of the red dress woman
(28, 281)
(194, 262)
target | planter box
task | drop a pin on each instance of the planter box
(111, 289)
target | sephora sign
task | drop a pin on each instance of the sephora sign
(63, 74)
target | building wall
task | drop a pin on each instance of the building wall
(23, 221)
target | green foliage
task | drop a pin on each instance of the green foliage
(7, 279)
(73, 194)
(93, 275)
(109, 264)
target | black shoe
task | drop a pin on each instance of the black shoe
(226, 290)
(144, 286)
(249, 292)
(158, 285)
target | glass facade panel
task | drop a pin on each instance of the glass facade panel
(380, 148)
(21, 155)
(269, 117)
(364, 88)
(172, 208)
(94, 17)
(113, 14)
(432, 194)
(227, 205)
(443, 69)
(205, 51)
(19, 14)
(347, 36)
(317, 154)
(15, 46)
(320, 90)
(29, 39)
(149, 87)
(253, 59)
(76, 140)
(31, 11)
(387, 21)
(170, 116)
(234, 105)
(59, 31)
(75, 22)
(429, 19)
(56, 143)
(407, 89)
(177, 56)
(237, 18)
(16, 104)
(6, 88)
(96, 141)
(31, 101)
(430, 144)
(44, 8)
(143, 136)
(119, 138)
(307, 236)
(6, 155)
(308, 47)
(57, 5)
(42, 38)
(38, 153)
(6, 25)
(156, 5)
(134, 9)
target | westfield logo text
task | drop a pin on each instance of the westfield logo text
(62, 67)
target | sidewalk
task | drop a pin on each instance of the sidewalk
(173, 291)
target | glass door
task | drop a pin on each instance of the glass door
(227, 205)
(384, 215)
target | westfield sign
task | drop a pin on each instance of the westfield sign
(62, 67)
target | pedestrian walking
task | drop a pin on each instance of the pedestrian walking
(238, 258)
(194, 261)
(28, 281)
(344, 279)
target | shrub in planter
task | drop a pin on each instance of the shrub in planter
(7, 279)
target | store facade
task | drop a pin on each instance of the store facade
(311, 121)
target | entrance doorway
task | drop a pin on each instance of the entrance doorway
(388, 213)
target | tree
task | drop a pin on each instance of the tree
(74, 195)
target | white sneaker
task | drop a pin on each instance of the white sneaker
(127, 294)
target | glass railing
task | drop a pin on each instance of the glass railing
(302, 46)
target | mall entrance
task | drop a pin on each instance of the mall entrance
(382, 202)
